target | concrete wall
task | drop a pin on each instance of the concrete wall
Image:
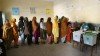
(75, 10)
(0, 5)
(78, 10)
(24, 6)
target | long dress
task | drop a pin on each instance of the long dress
(55, 30)
(26, 32)
(36, 31)
(15, 33)
(21, 31)
(7, 35)
(42, 31)
(30, 31)
(49, 32)
(69, 34)
(36, 35)
(63, 29)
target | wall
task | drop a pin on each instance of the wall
(78, 10)
(24, 6)
(0, 5)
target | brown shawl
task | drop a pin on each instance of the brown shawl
(49, 26)
(64, 27)
(34, 24)
(15, 28)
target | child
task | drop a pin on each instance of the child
(69, 32)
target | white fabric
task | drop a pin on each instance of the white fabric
(90, 39)
(42, 26)
(63, 39)
(33, 39)
(1, 40)
(20, 39)
(77, 35)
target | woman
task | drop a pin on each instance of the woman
(49, 30)
(42, 30)
(35, 28)
(1, 31)
(26, 30)
(7, 33)
(15, 32)
(30, 32)
(21, 29)
(55, 30)
(63, 29)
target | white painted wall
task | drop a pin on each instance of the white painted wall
(24, 6)
(78, 10)
(0, 5)
(75, 10)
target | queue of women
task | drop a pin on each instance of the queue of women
(50, 32)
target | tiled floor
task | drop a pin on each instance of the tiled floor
(49, 50)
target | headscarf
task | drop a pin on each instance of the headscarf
(49, 26)
(6, 26)
(64, 22)
(15, 28)
(34, 24)
(55, 27)
(26, 30)
(21, 23)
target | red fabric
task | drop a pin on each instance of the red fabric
(69, 34)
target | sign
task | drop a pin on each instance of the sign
(15, 11)
(32, 10)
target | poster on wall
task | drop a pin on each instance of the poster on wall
(15, 11)
(33, 10)
(49, 11)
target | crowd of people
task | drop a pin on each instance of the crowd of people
(48, 32)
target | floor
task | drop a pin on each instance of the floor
(61, 49)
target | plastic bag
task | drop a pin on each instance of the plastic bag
(33, 39)
(63, 39)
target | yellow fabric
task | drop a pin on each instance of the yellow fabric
(55, 29)
(4, 31)
(5, 27)
(15, 29)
